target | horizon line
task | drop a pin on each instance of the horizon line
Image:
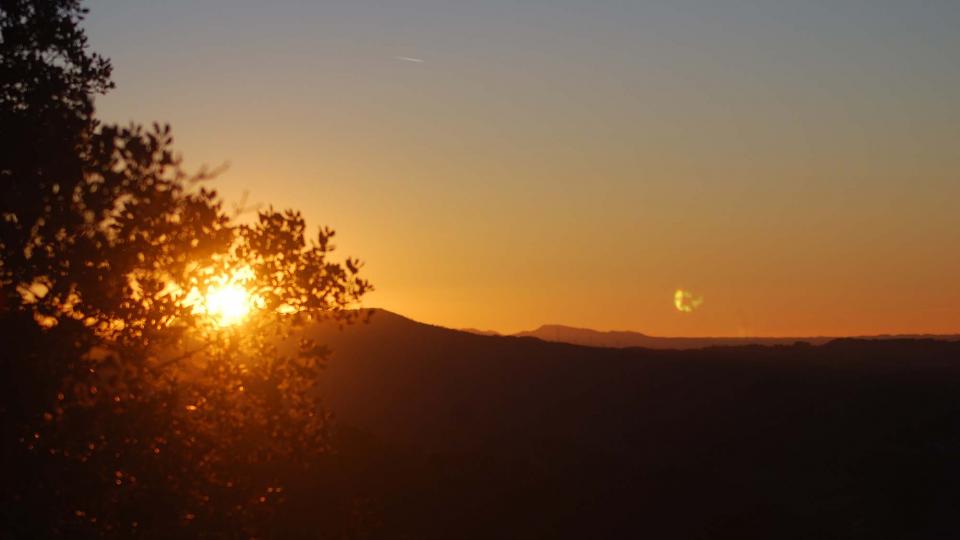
(475, 330)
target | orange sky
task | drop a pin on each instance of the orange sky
(797, 166)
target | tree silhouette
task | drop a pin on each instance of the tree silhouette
(126, 409)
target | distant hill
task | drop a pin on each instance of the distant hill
(620, 339)
(452, 434)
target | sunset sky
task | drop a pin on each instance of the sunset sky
(501, 165)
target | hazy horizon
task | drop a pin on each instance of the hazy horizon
(615, 330)
(502, 165)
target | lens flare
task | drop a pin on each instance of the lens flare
(685, 301)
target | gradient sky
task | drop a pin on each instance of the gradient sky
(796, 163)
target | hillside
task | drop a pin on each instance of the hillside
(462, 435)
(620, 339)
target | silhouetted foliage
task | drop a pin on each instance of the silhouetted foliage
(125, 408)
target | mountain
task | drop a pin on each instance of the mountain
(452, 434)
(620, 339)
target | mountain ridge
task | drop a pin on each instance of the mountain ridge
(588, 337)
(850, 439)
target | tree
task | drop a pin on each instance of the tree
(127, 406)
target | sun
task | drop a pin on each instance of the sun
(228, 304)
(227, 299)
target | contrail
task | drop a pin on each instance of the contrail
(410, 59)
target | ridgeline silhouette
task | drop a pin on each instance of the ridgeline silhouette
(470, 436)
(621, 339)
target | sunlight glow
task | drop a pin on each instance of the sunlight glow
(227, 300)
(228, 304)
